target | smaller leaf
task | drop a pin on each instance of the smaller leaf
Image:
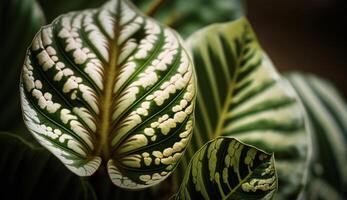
(225, 168)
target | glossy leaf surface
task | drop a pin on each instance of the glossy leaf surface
(110, 84)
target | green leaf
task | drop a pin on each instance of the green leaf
(33, 173)
(20, 20)
(327, 117)
(189, 17)
(240, 94)
(225, 168)
(110, 84)
(182, 16)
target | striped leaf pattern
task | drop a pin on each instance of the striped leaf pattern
(110, 85)
(327, 114)
(241, 95)
(225, 168)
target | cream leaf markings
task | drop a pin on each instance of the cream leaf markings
(254, 104)
(225, 168)
(110, 84)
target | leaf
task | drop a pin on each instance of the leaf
(33, 173)
(55, 8)
(182, 16)
(327, 117)
(110, 85)
(225, 168)
(241, 95)
(189, 17)
(15, 15)
(319, 189)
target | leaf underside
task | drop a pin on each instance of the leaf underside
(110, 84)
(224, 168)
(241, 95)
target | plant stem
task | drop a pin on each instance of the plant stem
(153, 8)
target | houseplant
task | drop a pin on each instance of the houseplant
(239, 95)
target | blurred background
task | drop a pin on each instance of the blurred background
(304, 35)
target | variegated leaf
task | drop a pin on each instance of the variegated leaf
(225, 168)
(240, 94)
(110, 84)
(327, 116)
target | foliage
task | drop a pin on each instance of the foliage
(110, 85)
(224, 168)
(241, 95)
(110, 92)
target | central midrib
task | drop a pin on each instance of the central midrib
(230, 93)
(106, 106)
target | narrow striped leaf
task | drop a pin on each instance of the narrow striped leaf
(225, 168)
(30, 172)
(327, 116)
(15, 14)
(110, 85)
(240, 94)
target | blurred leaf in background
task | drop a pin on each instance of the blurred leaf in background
(182, 16)
(20, 20)
(327, 119)
(54, 8)
(188, 17)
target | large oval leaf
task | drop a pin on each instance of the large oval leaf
(225, 168)
(240, 94)
(110, 84)
(15, 14)
(327, 116)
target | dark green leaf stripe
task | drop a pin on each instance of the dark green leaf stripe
(15, 15)
(225, 168)
(327, 114)
(110, 84)
(240, 94)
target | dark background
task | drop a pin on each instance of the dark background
(304, 35)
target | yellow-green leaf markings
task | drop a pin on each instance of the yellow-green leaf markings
(327, 116)
(225, 168)
(110, 85)
(240, 94)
